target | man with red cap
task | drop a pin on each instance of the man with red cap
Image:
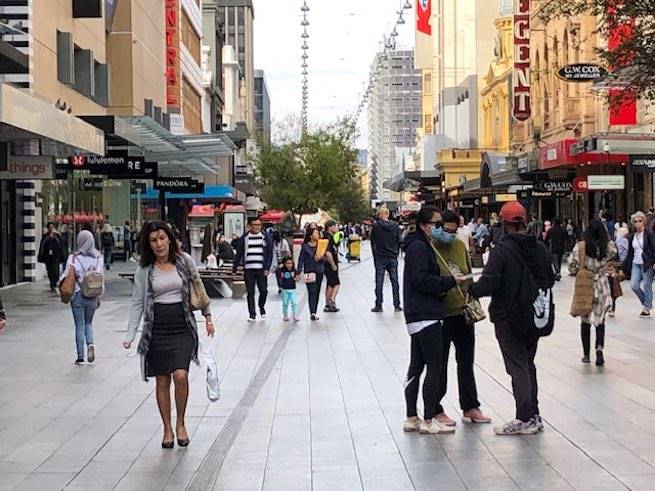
(517, 264)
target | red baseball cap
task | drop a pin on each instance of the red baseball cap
(512, 212)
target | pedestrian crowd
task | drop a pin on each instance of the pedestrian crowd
(523, 258)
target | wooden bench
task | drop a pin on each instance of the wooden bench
(215, 281)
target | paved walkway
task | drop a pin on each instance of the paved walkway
(313, 406)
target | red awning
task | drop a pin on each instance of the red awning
(273, 216)
(202, 211)
(560, 154)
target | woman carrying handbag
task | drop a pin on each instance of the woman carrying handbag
(313, 267)
(459, 322)
(167, 290)
(592, 297)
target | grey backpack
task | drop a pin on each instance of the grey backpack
(91, 284)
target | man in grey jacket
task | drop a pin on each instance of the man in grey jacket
(385, 242)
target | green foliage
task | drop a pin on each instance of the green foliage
(305, 174)
(632, 59)
(352, 206)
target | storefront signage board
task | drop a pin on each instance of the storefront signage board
(115, 165)
(173, 82)
(29, 167)
(642, 163)
(605, 183)
(582, 72)
(504, 198)
(554, 186)
(179, 185)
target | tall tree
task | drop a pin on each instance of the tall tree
(629, 28)
(307, 174)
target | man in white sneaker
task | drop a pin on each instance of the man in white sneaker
(518, 266)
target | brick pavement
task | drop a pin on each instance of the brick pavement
(325, 413)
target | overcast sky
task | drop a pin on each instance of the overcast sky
(344, 36)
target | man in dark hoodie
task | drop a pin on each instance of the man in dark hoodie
(385, 242)
(502, 279)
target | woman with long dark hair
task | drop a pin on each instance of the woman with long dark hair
(169, 339)
(313, 267)
(424, 291)
(593, 254)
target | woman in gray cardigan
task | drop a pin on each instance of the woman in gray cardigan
(169, 338)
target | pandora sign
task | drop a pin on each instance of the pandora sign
(521, 75)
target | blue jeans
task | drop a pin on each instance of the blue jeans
(289, 299)
(383, 265)
(83, 311)
(641, 283)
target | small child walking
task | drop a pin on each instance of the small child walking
(287, 280)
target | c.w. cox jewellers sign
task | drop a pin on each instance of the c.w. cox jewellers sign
(521, 74)
(582, 72)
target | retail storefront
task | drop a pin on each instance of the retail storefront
(33, 134)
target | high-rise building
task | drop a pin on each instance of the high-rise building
(262, 107)
(237, 17)
(213, 40)
(394, 114)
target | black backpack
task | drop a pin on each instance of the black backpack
(533, 309)
(106, 239)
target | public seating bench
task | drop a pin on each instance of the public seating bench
(219, 282)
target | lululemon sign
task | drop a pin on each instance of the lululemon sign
(521, 74)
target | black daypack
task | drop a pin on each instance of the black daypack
(533, 309)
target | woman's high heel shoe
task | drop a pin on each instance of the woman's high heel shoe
(183, 442)
(170, 444)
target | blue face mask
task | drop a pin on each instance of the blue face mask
(438, 233)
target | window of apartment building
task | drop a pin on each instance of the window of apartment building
(190, 38)
(191, 108)
(242, 16)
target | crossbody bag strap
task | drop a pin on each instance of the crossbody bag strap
(440, 258)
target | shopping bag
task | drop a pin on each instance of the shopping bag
(211, 373)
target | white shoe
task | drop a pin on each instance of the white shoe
(517, 427)
(252, 319)
(409, 425)
(434, 428)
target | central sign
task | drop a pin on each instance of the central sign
(173, 82)
(605, 183)
(521, 74)
(29, 167)
(642, 163)
(554, 186)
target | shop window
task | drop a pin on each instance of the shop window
(190, 38)
(191, 108)
(101, 82)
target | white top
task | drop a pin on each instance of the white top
(254, 251)
(416, 327)
(464, 234)
(166, 286)
(638, 246)
(83, 264)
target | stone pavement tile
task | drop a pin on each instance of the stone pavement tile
(43, 482)
(241, 475)
(282, 479)
(10, 479)
(431, 475)
(335, 478)
(103, 475)
(142, 481)
(19, 431)
(643, 482)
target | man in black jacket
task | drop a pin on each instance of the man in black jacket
(385, 242)
(502, 279)
(556, 240)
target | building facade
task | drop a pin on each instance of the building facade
(394, 114)
(262, 107)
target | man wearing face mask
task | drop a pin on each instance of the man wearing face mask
(453, 259)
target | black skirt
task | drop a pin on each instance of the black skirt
(172, 343)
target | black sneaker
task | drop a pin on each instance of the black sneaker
(398, 309)
(645, 314)
(263, 313)
(314, 317)
(79, 361)
(585, 359)
(377, 309)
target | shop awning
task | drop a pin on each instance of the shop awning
(616, 143)
(570, 153)
(217, 192)
(21, 110)
(202, 211)
(412, 180)
(273, 216)
(176, 154)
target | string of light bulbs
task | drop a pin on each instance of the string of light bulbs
(389, 43)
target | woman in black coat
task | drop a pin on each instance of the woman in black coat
(424, 290)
